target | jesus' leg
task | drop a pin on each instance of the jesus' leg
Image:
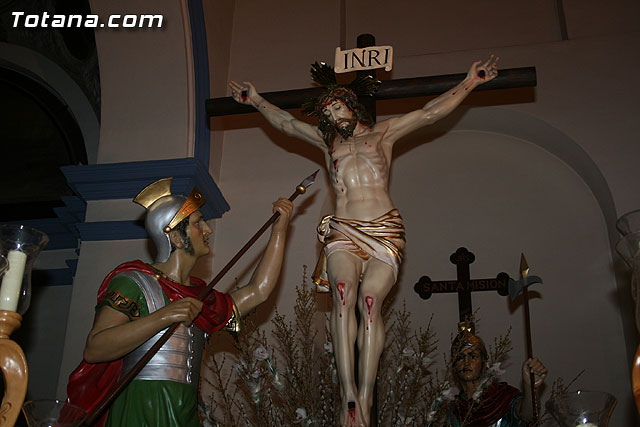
(377, 281)
(344, 269)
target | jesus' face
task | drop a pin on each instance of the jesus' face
(341, 117)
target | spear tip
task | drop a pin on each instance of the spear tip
(524, 266)
(307, 182)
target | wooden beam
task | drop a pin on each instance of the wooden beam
(391, 89)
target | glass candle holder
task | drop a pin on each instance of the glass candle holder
(582, 408)
(628, 247)
(20, 245)
(4, 265)
(50, 413)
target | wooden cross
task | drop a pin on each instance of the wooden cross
(390, 89)
(464, 285)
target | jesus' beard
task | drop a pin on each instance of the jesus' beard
(346, 127)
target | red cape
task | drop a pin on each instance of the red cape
(495, 402)
(90, 383)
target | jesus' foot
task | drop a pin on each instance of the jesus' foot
(352, 416)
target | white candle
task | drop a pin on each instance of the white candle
(12, 281)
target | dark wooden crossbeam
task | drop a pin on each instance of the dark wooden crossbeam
(391, 89)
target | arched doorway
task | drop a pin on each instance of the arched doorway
(39, 134)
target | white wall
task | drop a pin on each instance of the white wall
(145, 79)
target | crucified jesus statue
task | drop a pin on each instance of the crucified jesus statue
(364, 239)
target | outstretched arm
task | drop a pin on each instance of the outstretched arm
(266, 274)
(247, 94)
(526, 410)
(444, 104)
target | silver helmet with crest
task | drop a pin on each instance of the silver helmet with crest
(164, 212)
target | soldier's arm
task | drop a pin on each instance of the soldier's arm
(247, 94)
(444, 104)
(266, 275)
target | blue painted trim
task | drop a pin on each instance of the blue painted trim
(125, 180)
(73, 212)
(73, 265)
(201, 80)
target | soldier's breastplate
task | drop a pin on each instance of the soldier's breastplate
(180, 357)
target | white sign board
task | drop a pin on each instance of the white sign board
(367, 58)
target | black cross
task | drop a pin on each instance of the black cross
(464, 285)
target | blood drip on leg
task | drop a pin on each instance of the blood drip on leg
(340, 288)
(352, 411)
(369, 301)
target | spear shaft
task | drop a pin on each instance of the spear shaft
(122, 382)
(524, 272)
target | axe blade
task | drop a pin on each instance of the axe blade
(517, 286)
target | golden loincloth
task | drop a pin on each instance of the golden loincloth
(381, 238)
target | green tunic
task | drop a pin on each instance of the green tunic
(152, 403)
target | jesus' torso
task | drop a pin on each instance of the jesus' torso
(359, 173)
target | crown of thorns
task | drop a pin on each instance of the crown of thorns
(323, 74)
